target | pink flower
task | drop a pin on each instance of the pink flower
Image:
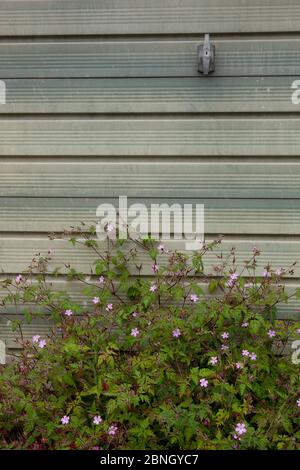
(176, 333)
(153, 288)
(245, 324)
(112, 430)
(213, 360)
(266, 274)
(255, 250)
(248, 285)
(161, 248)
(101, 280)
(239, 365)
(65, 420)
(253, 357)
(245, 352)
(271, 333)
(42, 343)
(298, 331)
(97, 420)
(135, 332)
(240, 429)
(298, 402)
(68, 313)
(35, 338)
(236, 437)
(225, 335)
(109, 228)
(279, 271)
(194, 298)
(109, 307)
(18, 279)
(230, 283)
(234, 276)
(134, 314)
(203, 383)
(224, 347)
(96, 300)
(155, 268)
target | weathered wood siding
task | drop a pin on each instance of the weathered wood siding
(104, 98)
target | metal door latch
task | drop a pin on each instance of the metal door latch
(206, 56)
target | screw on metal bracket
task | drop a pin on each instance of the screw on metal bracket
(206, 56)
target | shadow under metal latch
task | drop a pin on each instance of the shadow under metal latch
(206, 56)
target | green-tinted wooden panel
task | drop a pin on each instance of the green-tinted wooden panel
(147, 58)
(149, 95)
(213, 177)
(48, 17)
(16, 254)
(161, 137)
(228, 216)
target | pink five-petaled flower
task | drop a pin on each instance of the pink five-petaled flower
(134, 314)
(266, 274)
(225, 335)
(238, 365)
(109, 307)
(68, 313)
(96, 300)
(245, 324)
(153, 288)
(253, 357)
(161, 248)
(18, 279)
(298, 402)
(279, 271)
(176, 333)
(213, 360)
(194, 298)
(97, 419)
(245, 352)
(234, 276)
(240, 429)
(135, 332)
(109, 227)
(224, 347)
(35, 338)
(298, 331)
(65, 420)
(112, 430)
(42, 343)
(203, 383)
(271, 333)
(101, 280)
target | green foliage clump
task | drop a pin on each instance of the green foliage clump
(178, 360)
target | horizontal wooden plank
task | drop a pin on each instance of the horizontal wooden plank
(16, 254)
(49, 17)
(150, 95)
(213, 177)
(148, 58)
(161, 137)
(222, 216)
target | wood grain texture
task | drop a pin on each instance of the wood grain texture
(222, 216)
(150, 95)
(56, 17)
(160, 137)
(103, 177)
(17, 252)
(147, 58)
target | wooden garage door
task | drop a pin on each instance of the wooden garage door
(104, 98)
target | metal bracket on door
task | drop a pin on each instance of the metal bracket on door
(206, 56)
